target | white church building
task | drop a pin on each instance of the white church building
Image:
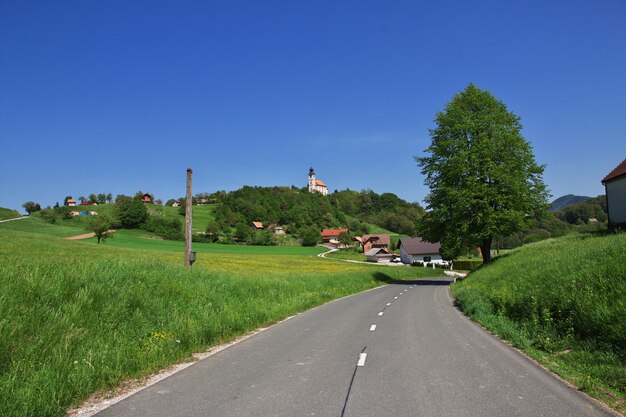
(316, 185)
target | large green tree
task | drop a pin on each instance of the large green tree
(483, 178)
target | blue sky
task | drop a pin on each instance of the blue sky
(121, 96)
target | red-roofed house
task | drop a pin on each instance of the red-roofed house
(615, 190)
(315, 185)
(368, 242)
(147, 199)
(71, 202)
(332, 235)
(257, 225)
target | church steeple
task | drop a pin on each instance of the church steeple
(315, 185)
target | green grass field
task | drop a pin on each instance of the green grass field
(562, 301)
(78, 318)
(201, 215)
(6, 214)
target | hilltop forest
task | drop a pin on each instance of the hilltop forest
(296, 209)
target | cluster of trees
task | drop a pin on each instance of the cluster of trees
(386, 210)
(101, 198)
(31, 207)
(304, 214)
(576, 217)
(583, 212)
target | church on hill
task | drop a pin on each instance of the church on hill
(315, 185)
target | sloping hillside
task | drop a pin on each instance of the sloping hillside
(562, 301)
(6, 214)
(567, 200)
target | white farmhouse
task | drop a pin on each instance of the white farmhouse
(414, 249)
(615, 189)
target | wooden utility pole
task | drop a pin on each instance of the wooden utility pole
(188, 211)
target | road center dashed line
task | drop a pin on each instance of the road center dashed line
(362, 358)
(388, 304)
(372, 328)
(381, 313)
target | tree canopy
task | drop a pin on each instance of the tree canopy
(483, 178)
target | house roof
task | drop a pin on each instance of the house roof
(619, 171)
(333, 232)
(378, 239)
(71, 200)
(319, 182)
(377, 251)
(258, 225)
(416, 246)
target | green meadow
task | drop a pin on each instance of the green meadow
(77, 318)
(562, 301)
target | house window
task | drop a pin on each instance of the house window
(426, 258)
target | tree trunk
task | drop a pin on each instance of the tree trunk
(485, 249)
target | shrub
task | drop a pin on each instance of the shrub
(170, 229)
(467, 265)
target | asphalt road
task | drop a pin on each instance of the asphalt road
(423, 358)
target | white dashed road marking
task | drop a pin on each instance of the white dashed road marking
(380, 314)
(373, 328)
(388, 304)
(362, 358)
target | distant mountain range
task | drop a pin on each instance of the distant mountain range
(567, 200)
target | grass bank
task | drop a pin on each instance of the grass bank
(562, 301)
(78, 318)
(6, 214)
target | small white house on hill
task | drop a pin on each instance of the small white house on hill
(615, 189)
(414, 249)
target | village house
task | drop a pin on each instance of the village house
(278, 230)
(315, 185)
(176, 203)
(332, 235)
(71, 202)
(414, 249)
(369, 242)
(378, 255)
(147, 199)
(257, 225)
(615, 190)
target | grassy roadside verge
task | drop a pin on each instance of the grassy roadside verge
(78, 318)
(562, 302)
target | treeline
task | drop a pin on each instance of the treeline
(587, 216)
(297, 210)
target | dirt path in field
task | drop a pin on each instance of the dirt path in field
(85, 236)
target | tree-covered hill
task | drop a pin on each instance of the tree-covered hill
(587, 215)
(566, 201)
(297, 209)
